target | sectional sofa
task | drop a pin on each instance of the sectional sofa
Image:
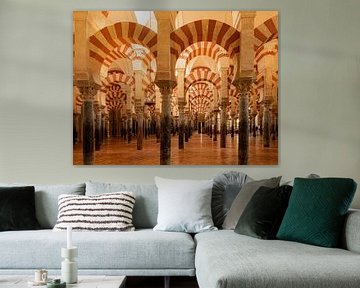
(219, 259)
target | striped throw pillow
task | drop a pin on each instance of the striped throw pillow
(105, 212)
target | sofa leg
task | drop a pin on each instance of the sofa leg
(167, 282)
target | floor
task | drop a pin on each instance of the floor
(200, 150)
(158, 282)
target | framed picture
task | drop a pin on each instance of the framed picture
(175, 88)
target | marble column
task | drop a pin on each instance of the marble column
(244, 86)
(233, 125)
(97, 127)
(253, 122)
(216, 111)
(88, 89)
(129, 126)
(187, 127)
(244, 78)
(165, 135)
(266, 122)
(139, 109)
(158, 126)
(224, 104)
(181, 104)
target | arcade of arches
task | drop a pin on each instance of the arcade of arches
(175, 87)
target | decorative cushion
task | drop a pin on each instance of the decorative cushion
(184, 205)
(316, 211)
(146, 205)
(106, 212)
(243, 198)
(46, 200)
(263, 215)
(226, 187)
(17, 208)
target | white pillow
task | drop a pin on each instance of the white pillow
(184, 205)
(104, 212)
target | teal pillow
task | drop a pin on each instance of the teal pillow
(316, 211)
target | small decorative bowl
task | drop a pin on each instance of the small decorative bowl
(56, 283)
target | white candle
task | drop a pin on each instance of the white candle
(69, 237)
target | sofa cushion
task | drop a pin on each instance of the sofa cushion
(105, 212)
(142, 249)
(225, 259)
(263, 215)
(316, 211)
(17, 208)
(146, 205)
(46, 200)
(243, 198)
(225, 189)
(184, 205)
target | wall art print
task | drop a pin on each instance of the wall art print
(175, 88)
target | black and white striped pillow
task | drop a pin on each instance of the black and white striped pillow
(105, 212)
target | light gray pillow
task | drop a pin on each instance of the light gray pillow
(243, 198)
(226, 187)
(184, 205)
(46, 200)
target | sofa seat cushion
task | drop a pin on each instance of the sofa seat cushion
(225, 259)
(142, 249)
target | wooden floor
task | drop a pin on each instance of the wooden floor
(200, 150)
(158, 282)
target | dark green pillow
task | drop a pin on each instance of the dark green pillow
(263, 214)
(17, 208)
(316, 211)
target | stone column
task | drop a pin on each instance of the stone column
(244, 78)
(233, 125)
(244, 86)
(129, 126)
(216, 111)
(260, 119)
(224, 104)
(266, 121)
(158, 126)
(88, 89)
(165, 132)
(165, 80)
(76, 130)
(253, 122)
(97, 126)
(181, 105)
(103, 125)
(275, 120)
(187, 126)
(139, 107)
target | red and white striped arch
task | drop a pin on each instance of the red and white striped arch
(203, 48)
(266, 32)
(205, 30)
(115, 97)
(200, 97)
(202, 74)
(116, 76)
(122, 34)
(110, 37)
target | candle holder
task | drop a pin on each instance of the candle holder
(68, 265)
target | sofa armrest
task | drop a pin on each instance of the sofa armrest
(351, 234)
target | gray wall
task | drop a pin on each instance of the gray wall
(319, 91)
